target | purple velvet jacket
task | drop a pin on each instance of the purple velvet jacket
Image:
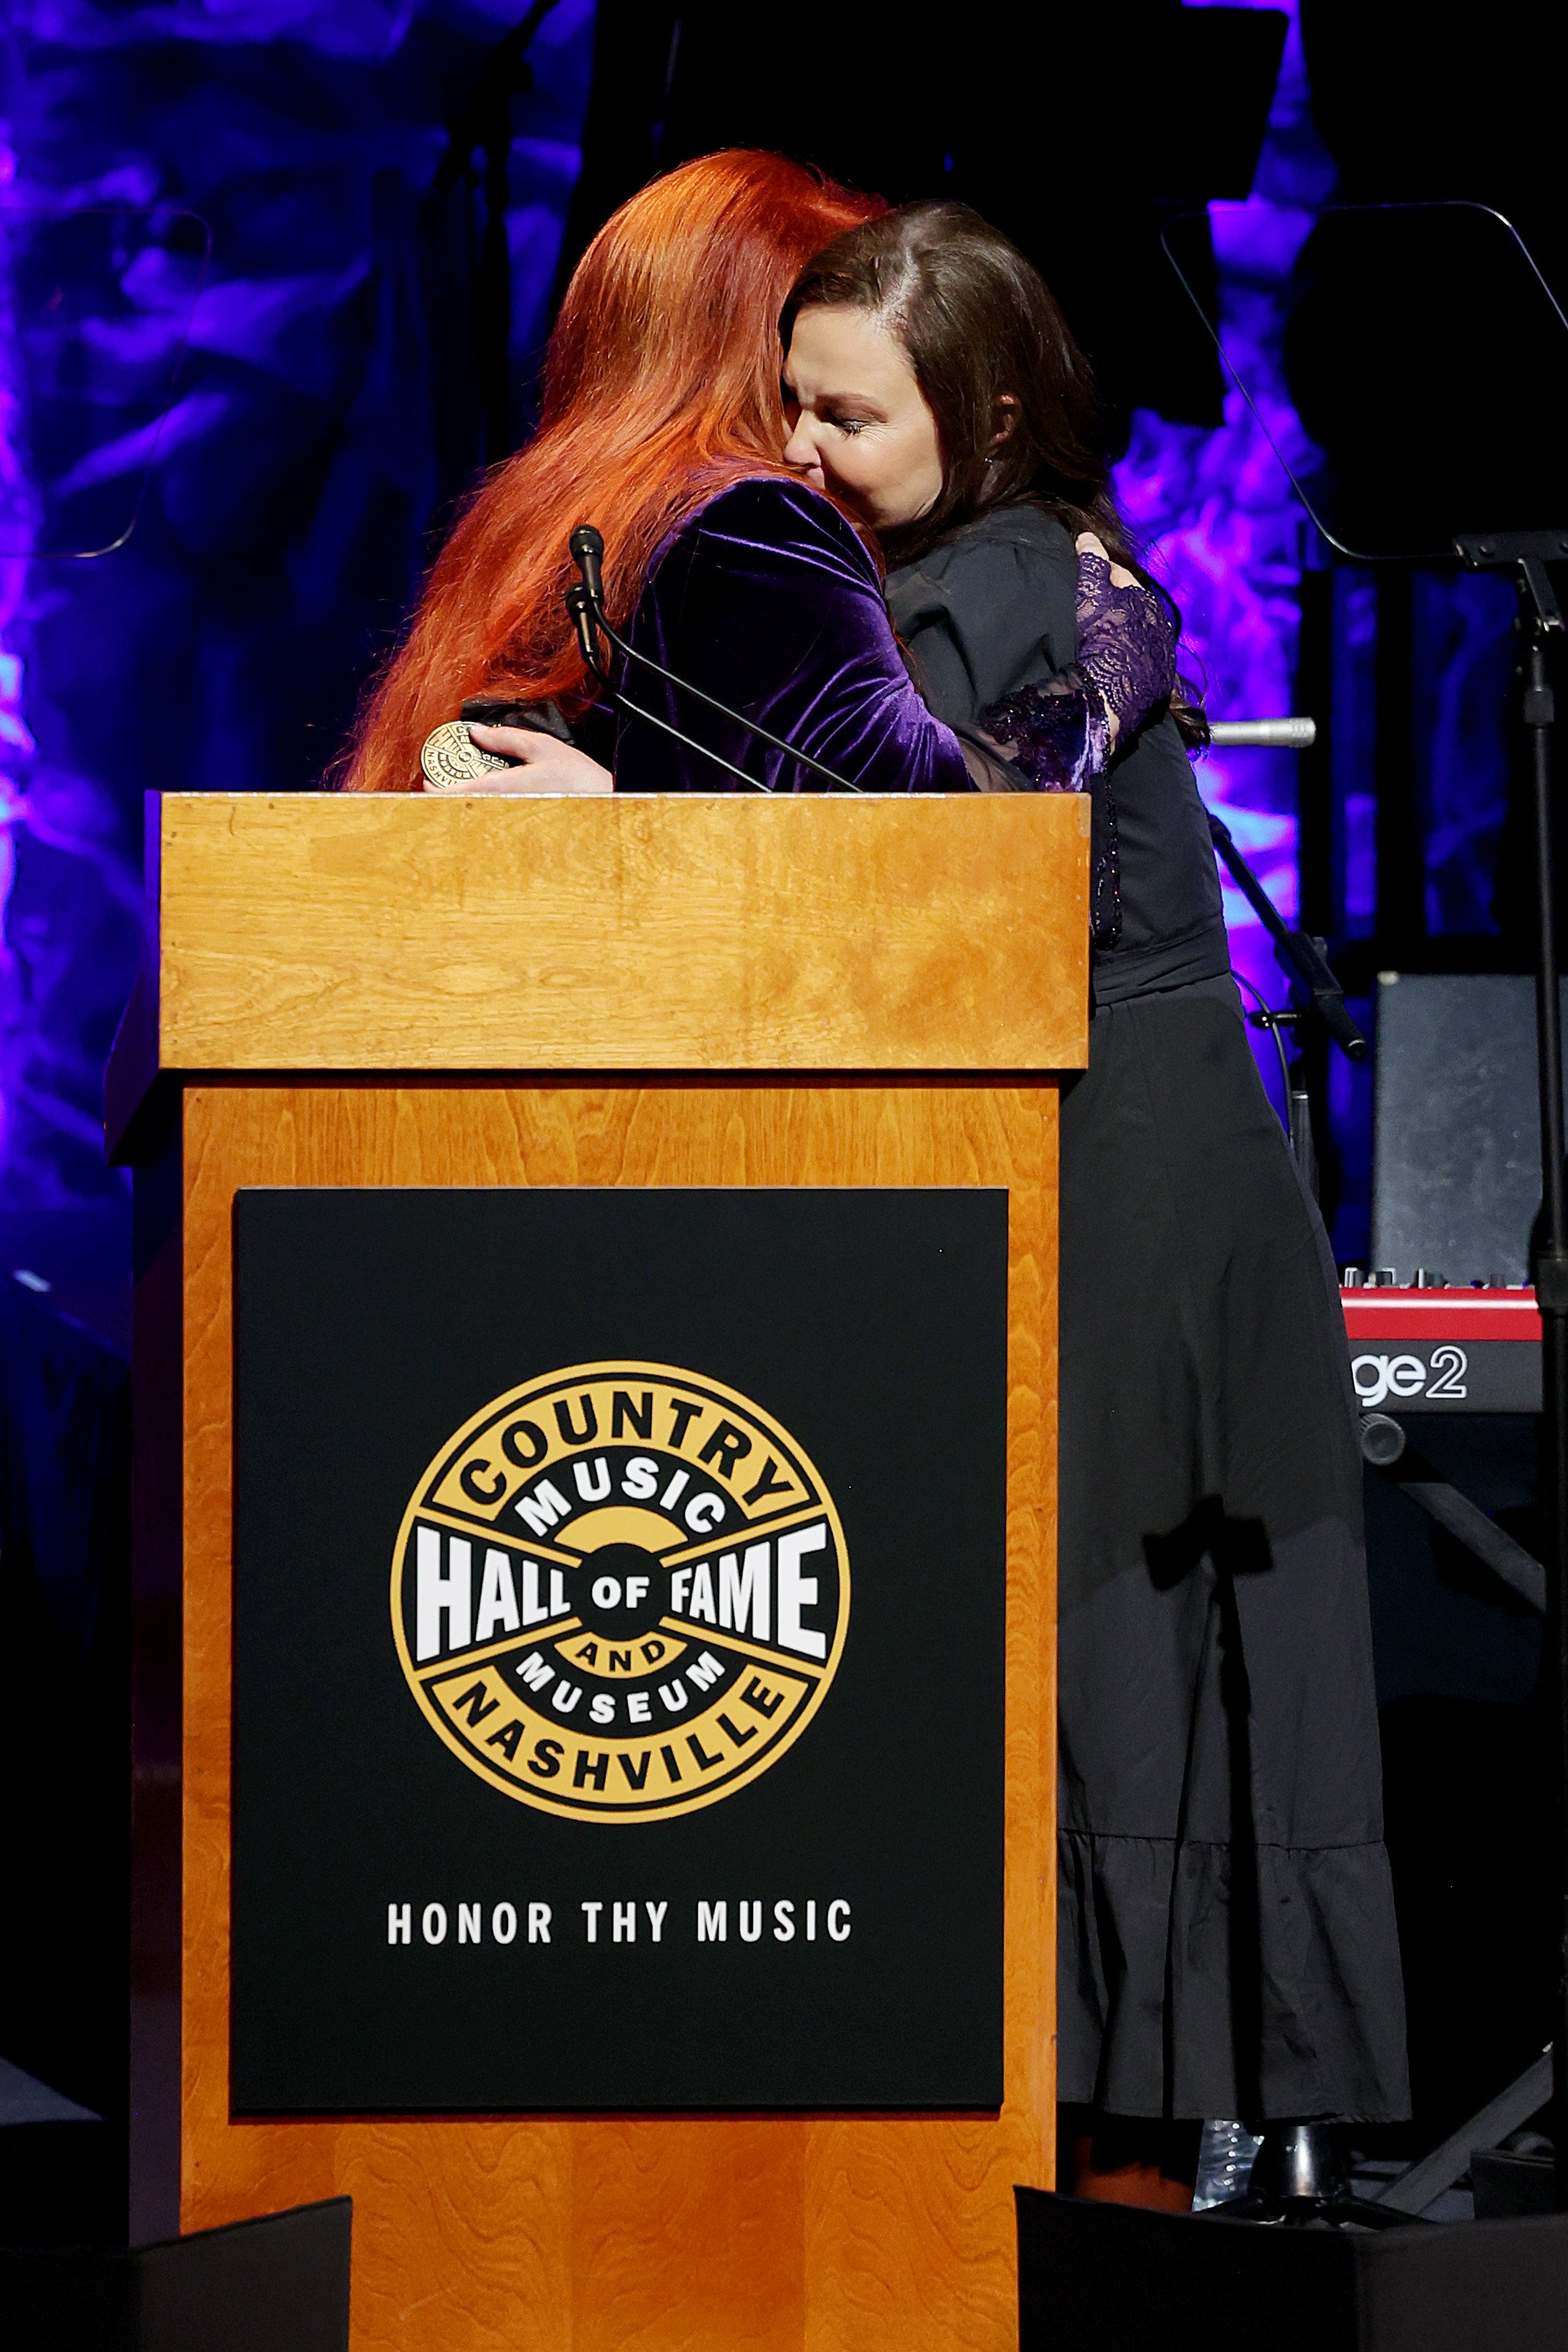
(766, 598)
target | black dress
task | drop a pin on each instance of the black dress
(1227, 1938)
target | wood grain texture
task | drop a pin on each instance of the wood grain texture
(399, 932)
(731, 2234)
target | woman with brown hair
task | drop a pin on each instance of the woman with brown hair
(1228, 1943)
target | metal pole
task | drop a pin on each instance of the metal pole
(1551, 1293)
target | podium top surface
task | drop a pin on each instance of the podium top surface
(317, 932)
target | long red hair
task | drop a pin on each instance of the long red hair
(661, 384)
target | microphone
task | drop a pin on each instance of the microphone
(585, 604)
(579, 611)
(587, 547)
(1282, 734)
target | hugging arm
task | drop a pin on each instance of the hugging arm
(1058, 736)
(766, 599)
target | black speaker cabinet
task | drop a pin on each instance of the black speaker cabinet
(1112, 2278)
(278, 2284)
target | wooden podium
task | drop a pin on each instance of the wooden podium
(816, 991)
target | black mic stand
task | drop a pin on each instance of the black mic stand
(1314, 991)
(1526, 554)
(1283, 2192)
(1523, 554)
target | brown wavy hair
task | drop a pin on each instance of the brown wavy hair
(980, 325)
(661, 385)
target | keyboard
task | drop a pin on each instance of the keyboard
(1427, 1350)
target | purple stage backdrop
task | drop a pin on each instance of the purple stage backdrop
(325, 415)
(324, 419)
(1224, 529)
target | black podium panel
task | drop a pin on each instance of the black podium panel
(618, 1654)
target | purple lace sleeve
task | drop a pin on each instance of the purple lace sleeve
(1126, 644)
(1058, 735)
(1055, 734)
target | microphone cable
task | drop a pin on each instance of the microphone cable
(584, 616)
(585, 604)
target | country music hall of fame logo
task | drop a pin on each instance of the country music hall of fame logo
(621, 1592)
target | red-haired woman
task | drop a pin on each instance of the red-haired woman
(661, 390)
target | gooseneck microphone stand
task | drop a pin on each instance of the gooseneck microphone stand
(585, 604)
(585, 620)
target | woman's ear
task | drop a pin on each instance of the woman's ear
(1004, 420)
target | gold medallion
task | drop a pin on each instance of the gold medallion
(450, 758)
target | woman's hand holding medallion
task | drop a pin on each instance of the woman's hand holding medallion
(545, 765)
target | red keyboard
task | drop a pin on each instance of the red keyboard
(1444, 1350)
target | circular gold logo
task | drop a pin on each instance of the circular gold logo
(620, 1593)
